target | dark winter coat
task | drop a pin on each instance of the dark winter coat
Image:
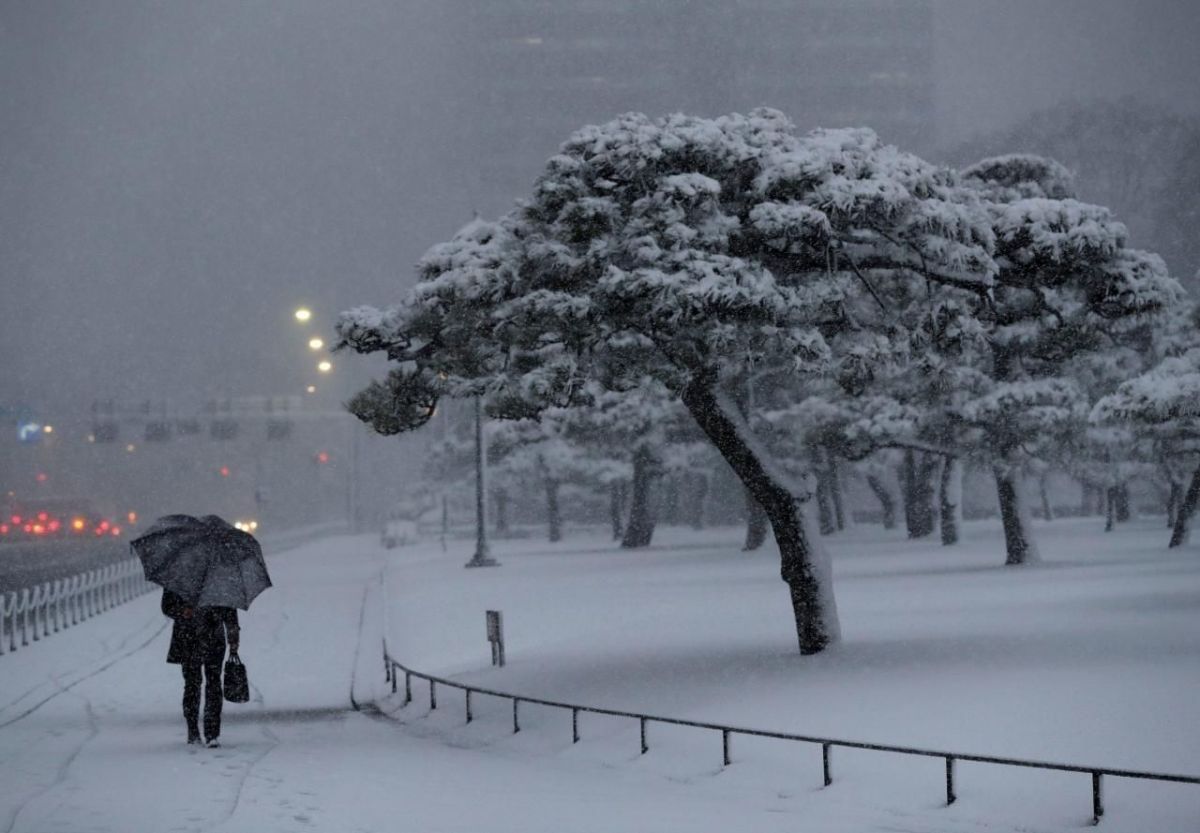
(199, 639)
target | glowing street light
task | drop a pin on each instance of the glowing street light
(303, 314)
(325, 366)
(48, 429)
(311, 389)
(315, 343)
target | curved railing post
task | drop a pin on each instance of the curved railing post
(951, 797)
(4, 614)
(94, 593)
(25, 606)
(35, 605)
(43, 626)
(47, 607)
(56, 604)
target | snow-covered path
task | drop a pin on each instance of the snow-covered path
(91, 738)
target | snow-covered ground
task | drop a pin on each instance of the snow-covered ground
(1091, 658)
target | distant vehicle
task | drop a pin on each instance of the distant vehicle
(246, 525)
(51, 518)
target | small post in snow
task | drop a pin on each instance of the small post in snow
(495, 635)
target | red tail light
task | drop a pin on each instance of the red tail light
(3, 529)
(54, 525)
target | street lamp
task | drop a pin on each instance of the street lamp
(325, 366)
(303, 314)
(315, 343)
(481, 558)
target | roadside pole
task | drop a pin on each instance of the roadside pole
(481, 558)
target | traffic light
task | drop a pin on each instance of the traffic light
(321, 457)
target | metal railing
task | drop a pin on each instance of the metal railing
(52, 606)
(392, 667)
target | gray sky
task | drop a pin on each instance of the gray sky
(176, 177)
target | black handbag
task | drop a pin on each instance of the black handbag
(237, 685)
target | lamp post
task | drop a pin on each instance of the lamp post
(481, 558)
(304, 315)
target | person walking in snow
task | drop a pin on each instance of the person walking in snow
(198, 642)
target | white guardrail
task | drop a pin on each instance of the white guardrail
(47, 608)
(38, 611)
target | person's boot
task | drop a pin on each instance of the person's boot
(213, 743)
(193, 736)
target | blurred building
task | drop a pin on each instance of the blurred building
(526, 73)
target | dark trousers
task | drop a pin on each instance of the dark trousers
(213, 697)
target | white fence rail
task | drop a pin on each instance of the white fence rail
(47, 608)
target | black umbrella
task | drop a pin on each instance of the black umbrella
(204, 560)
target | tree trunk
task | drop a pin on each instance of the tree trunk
(916, 484)
(669, 502)
(950, 498)
(616, 507)
(885, 500)
(1110, 508)
(1183, 519)
(804, 565)
(1173, 498)
(640, 529)
(1017, 541)
(1091, 500)
(825, 518)
(553, 518)
(756, 523)
(1044, 493)
(835, 491)
(698, 496)
(1124, 513)
(500, 505)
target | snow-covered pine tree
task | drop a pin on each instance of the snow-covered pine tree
(686, 249)
(1163, 405)
(1067, 283)
(635, 426)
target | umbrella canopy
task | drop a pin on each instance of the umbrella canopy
(205, 560)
